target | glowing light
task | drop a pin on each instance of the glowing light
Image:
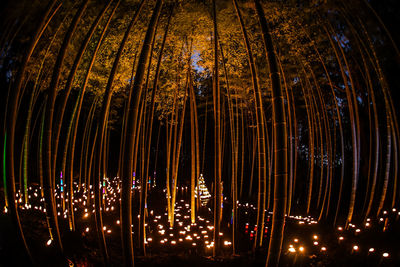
(385, 255)
(371, 250)
(301, 249)
(227, 243)
(49, 242)
(315, 243)
(355, 247)
(341, 237)
(292, 250)
(296, 240)
(323, 248)
(315, 237)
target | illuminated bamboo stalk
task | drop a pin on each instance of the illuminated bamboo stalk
(85, 149)
(311, 146)
(149, 130)
(174, 134)
(280, 145)
(253, 158)
(133, 129)
(260, 131)
(40, 157)
(233, 151)
(169, 131)
(295, 143)
(192, 155)
(177, 153)
(204, 137)
(242, 151)
(290, 154)
(145, 150)
(217, 137)
(395, 173)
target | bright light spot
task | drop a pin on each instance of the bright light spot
(385, 255)
(296, 240)
(49, 242)
(355, 247)
(341, 237)
(301, 249)
(315, 243)
(87, 229)
(323, 249)
(227, 243)
(315, 237)
(292, 250)
(371, 250)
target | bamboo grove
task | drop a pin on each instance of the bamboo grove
(288, 105)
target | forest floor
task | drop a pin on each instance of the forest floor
(306, 242)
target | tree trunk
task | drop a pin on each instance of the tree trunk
(280, 146)
(132, 131)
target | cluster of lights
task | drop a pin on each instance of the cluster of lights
(185, 232)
